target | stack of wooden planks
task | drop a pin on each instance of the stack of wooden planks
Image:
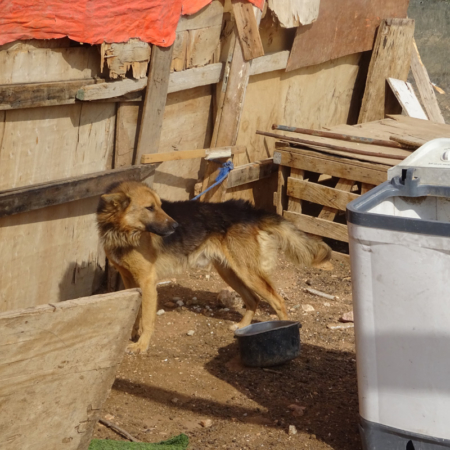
(332, 178)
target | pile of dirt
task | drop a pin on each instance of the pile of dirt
(191, 381)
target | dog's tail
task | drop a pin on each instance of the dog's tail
(300, 248)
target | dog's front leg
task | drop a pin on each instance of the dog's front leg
(149, 305)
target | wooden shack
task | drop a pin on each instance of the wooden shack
(83, 107)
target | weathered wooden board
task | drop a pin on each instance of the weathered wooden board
(247, 28)
(201, 46)
(249, 173)
(341, 31)
(120, 57)
(319, 227)
(425, 87)
(317, 193)
(293, 13)
(186, 126)
(109, 90)
(58, 366)
(39, 145)
(33, 95)
(269, 63)
(41, 65)
(192, 78)
(126, 136)
(42, 195)
(391, 58)
(406, 96)
(332, 165)
(50, 255)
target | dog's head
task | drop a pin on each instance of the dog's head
(133, 206)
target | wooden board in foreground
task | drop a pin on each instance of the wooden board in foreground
(58, 365)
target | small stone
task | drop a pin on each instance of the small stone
(292, 430)
(190, 333)
(308, 282)
(175, 299)
(347, 317)
(347, 279)
(297, 410)
(340, 326)
(228, 298)
(308, 308)
(169, 305)
(208, 276)
(206, 423)
(180, 303)
(174, 400)
(160, 312)
(109, 417)
(327, 304)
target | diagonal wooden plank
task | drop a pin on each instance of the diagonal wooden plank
(425, 87)
(328, 213)
(391, 57)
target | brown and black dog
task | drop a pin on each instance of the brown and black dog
(146, 238)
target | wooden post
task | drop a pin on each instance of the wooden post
(154, 103)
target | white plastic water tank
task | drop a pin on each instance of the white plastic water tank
(400, 256)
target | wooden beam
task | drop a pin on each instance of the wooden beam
(248, 173)
(269, 63)
(209, 153)
(425, 87)
(33, 95)
(59, 362)
(112, 89)
(319, 227)
(332, 165)
(248, 30)
(406, 96)
(15, 201)
(391, 58)
(316, 193)
(295, 204)
(155, 101)
(198, 76)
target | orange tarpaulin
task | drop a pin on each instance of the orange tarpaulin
(96, 21)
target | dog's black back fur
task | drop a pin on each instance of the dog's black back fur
(197, 221)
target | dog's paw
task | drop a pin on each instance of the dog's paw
(136, 348)
(234, 327)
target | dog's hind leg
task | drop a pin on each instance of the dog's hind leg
(251, 300)
(262, 286)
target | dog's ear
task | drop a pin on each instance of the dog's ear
(118, 200)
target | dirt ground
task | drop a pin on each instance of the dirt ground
(184, 379)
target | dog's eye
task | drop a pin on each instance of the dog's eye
(150, 208)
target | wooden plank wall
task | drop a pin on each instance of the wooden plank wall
(51, 254)
(56, 250)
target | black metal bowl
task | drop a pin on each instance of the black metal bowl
(270, 343)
